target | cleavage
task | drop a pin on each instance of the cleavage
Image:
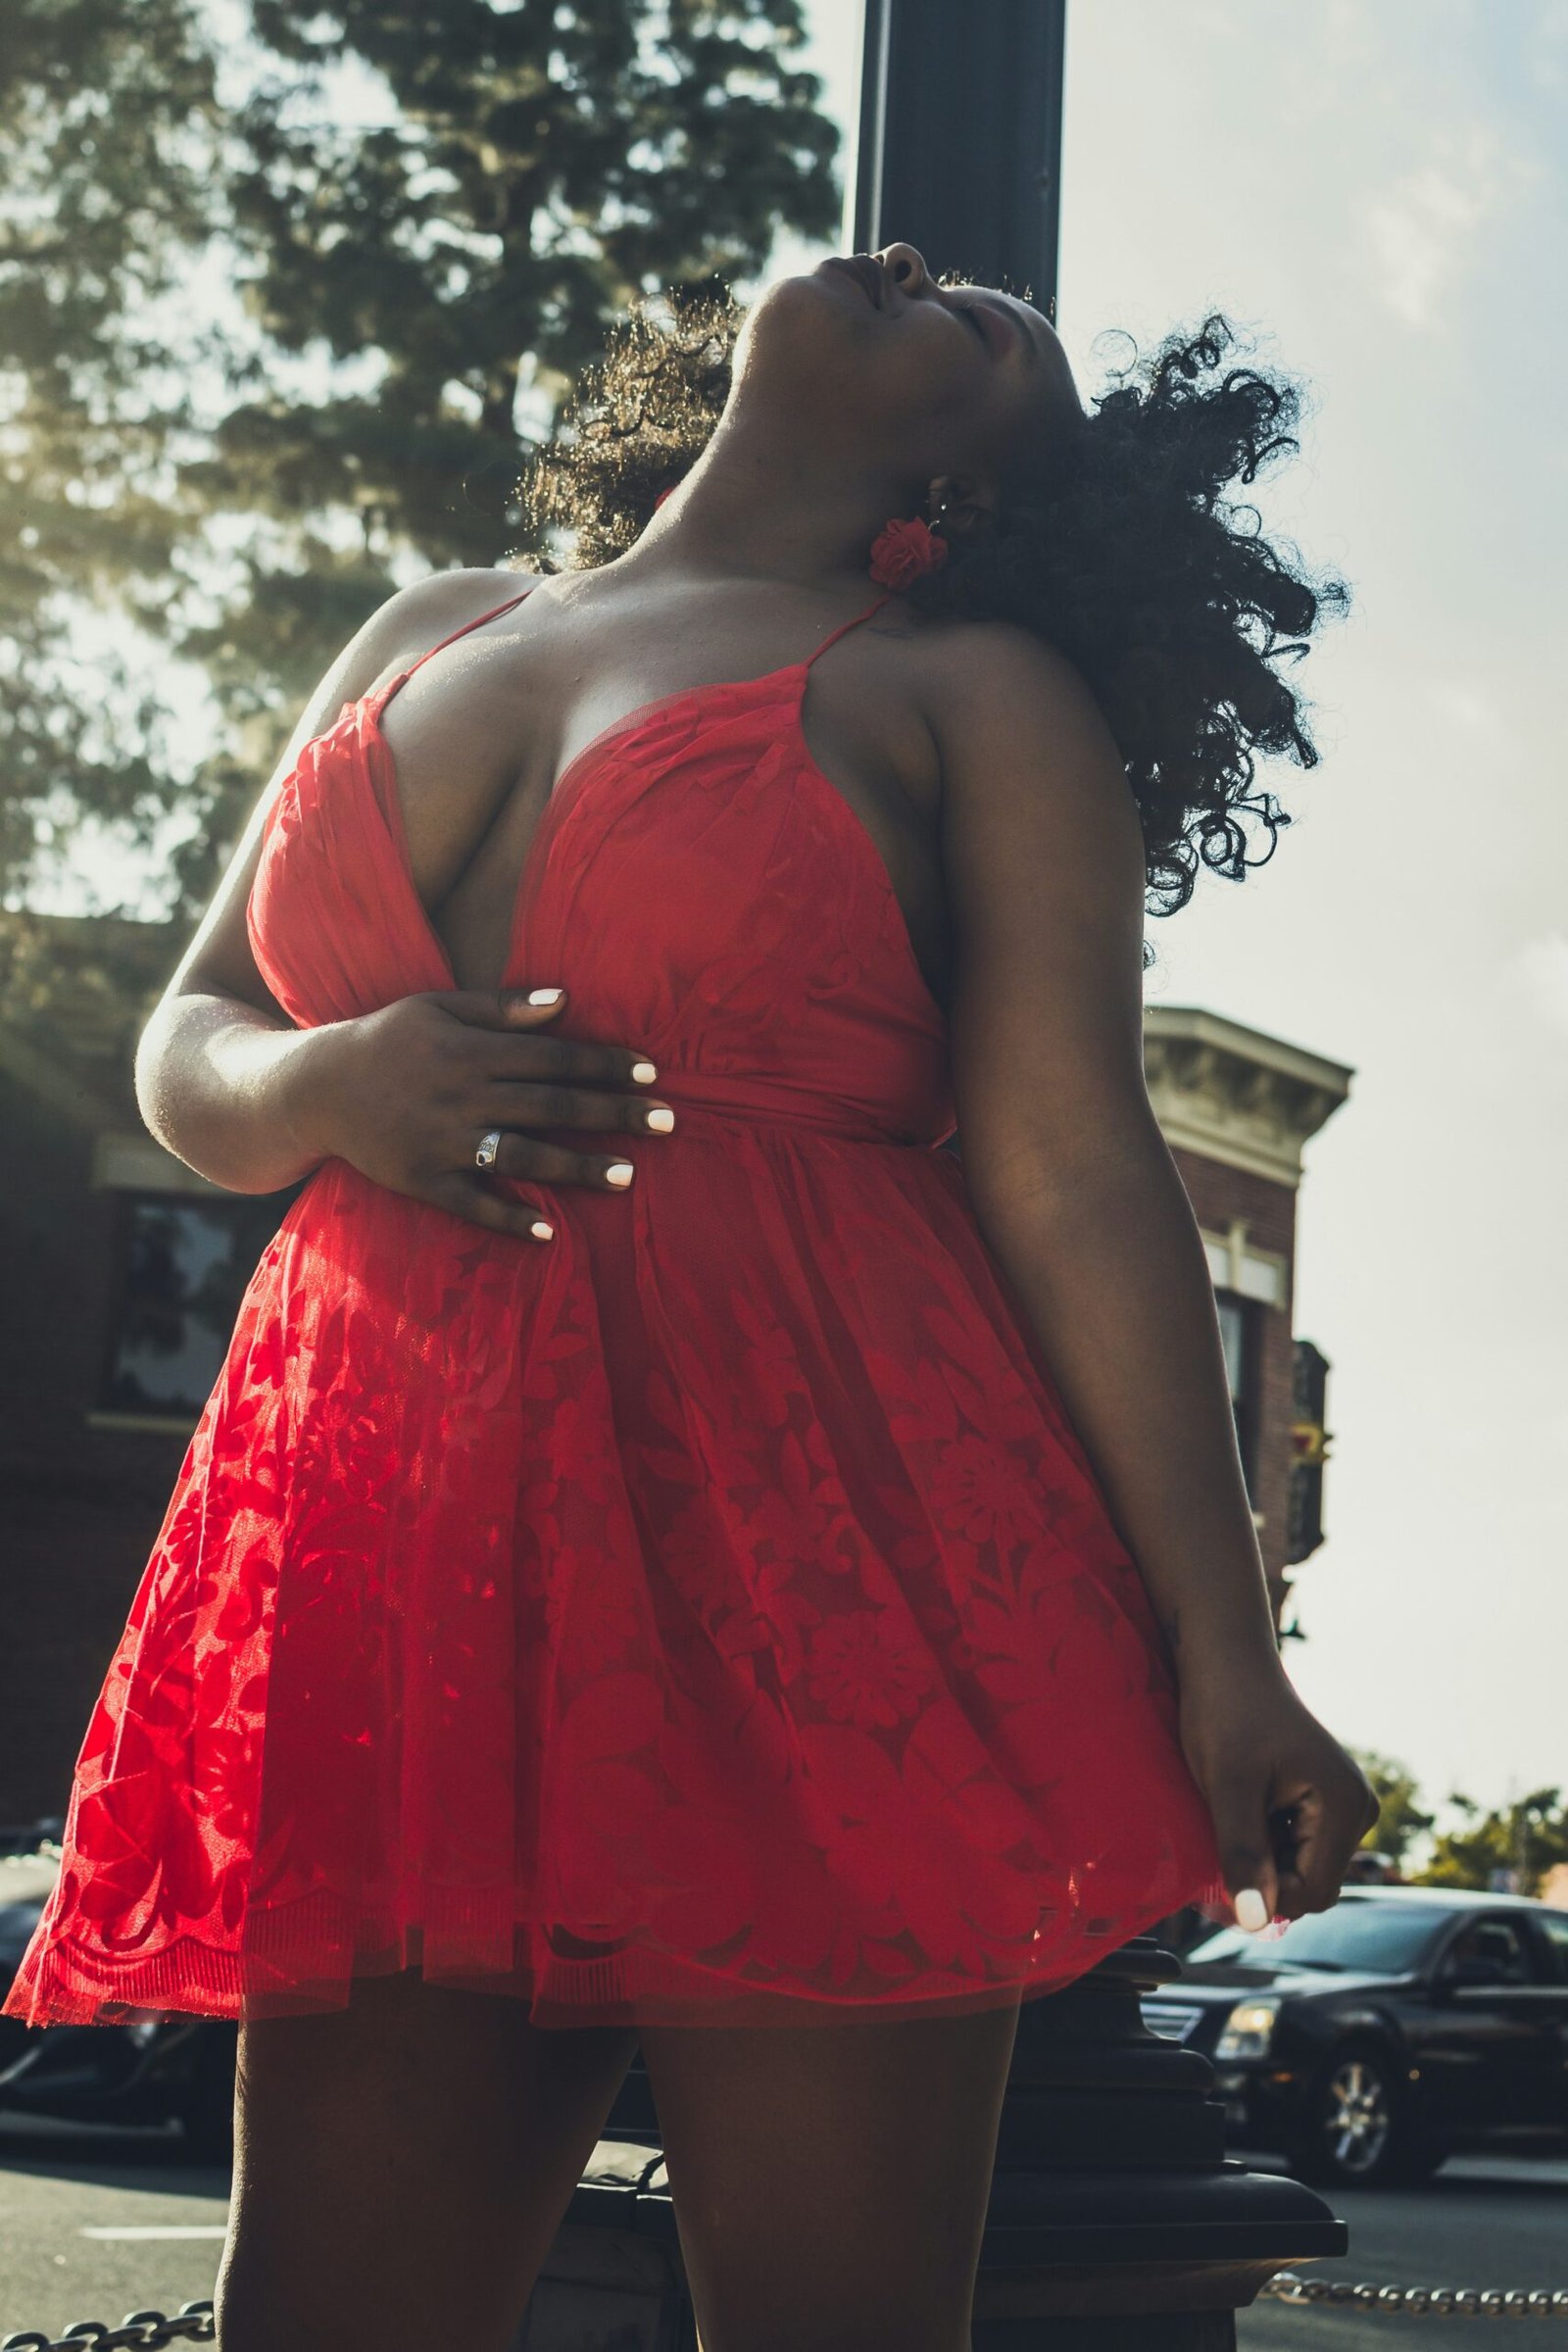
(468, 873)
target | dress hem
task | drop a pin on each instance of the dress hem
(623, 1989)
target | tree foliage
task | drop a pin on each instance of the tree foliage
(426, 212)
(1403, 1820)
(1514, 1844)
(106, 113)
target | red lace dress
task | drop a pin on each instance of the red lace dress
(707, 1615)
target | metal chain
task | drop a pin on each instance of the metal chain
(192, 2323)
(1412, 2302)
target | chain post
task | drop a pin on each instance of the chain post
(148, 2330)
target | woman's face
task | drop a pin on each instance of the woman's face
(868, 354)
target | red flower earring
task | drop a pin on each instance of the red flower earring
(904, 552)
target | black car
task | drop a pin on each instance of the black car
(1370, 2043)
(181, 2069)
(1367, 2043)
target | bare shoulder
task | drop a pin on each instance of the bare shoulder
(1035, 791)
(405, 625)
(411, 621)
(988, 683)
(415, 617)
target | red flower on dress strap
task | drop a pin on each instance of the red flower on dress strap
(904, 552)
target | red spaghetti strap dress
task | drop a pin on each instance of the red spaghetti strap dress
(708, 1616)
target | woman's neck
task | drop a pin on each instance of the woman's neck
(754, 506)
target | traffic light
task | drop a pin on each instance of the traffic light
(1310, 1443)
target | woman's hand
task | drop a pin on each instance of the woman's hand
(404, 1094)
(1290, 1806)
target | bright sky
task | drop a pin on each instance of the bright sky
(1378, 186)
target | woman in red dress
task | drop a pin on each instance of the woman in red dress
(670, 1553)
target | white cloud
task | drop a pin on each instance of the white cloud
(1539, 970)
(1548, 64)
(1424, 228)
(1466, 704)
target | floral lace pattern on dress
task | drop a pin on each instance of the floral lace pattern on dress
(709, 1615)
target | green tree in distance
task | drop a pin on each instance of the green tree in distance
(107, 123)
(1403, 1820)
(433, 209)
(1527, 1837)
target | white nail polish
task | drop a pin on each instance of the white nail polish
(544, 995)
(618, 1172)
(663, 1118)
(1251, 1912)
(540, 1229)
(644, 1072)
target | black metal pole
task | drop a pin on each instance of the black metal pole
(959, 148)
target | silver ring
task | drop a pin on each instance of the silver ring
(489, 1145)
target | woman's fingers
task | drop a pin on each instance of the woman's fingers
(527, 1104)
(416, 1085)
(1327, 1824)
(473, 1197)
(468, 1198)
(1238, 1809)
(1288, 1804)
(520, 1008)
(515, 1081)
(532, 1163)
(516, 1013)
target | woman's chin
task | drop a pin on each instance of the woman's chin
(802, 325)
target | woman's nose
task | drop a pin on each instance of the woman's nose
(906, 265)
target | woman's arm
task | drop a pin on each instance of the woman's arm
(227, 1083)
(1082, 1205)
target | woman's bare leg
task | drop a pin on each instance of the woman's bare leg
(401, 2167)
(830, 2181)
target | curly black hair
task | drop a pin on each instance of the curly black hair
(1123, 551)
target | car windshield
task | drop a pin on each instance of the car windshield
(1385, 1937)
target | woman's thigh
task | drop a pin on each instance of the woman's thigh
(830, 2181)
(401, 2167)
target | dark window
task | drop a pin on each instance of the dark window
(1359, 1933)
(1238, 1328)
(1499, 1943)
(1553, 1924)
(184, 1263)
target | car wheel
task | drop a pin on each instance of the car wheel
(1359, 2133)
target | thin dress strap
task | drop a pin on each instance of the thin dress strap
(844, 626)
(402, 675)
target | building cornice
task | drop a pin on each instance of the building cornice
(1237, 1095)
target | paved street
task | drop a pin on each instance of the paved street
(1483, 2221)
(95, 2222)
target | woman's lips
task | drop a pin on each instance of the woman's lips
(1002, 328)
(865, 273)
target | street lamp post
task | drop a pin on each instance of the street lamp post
(960, 142)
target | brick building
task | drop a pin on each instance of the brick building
(1237, 1107)
(120, 1270)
